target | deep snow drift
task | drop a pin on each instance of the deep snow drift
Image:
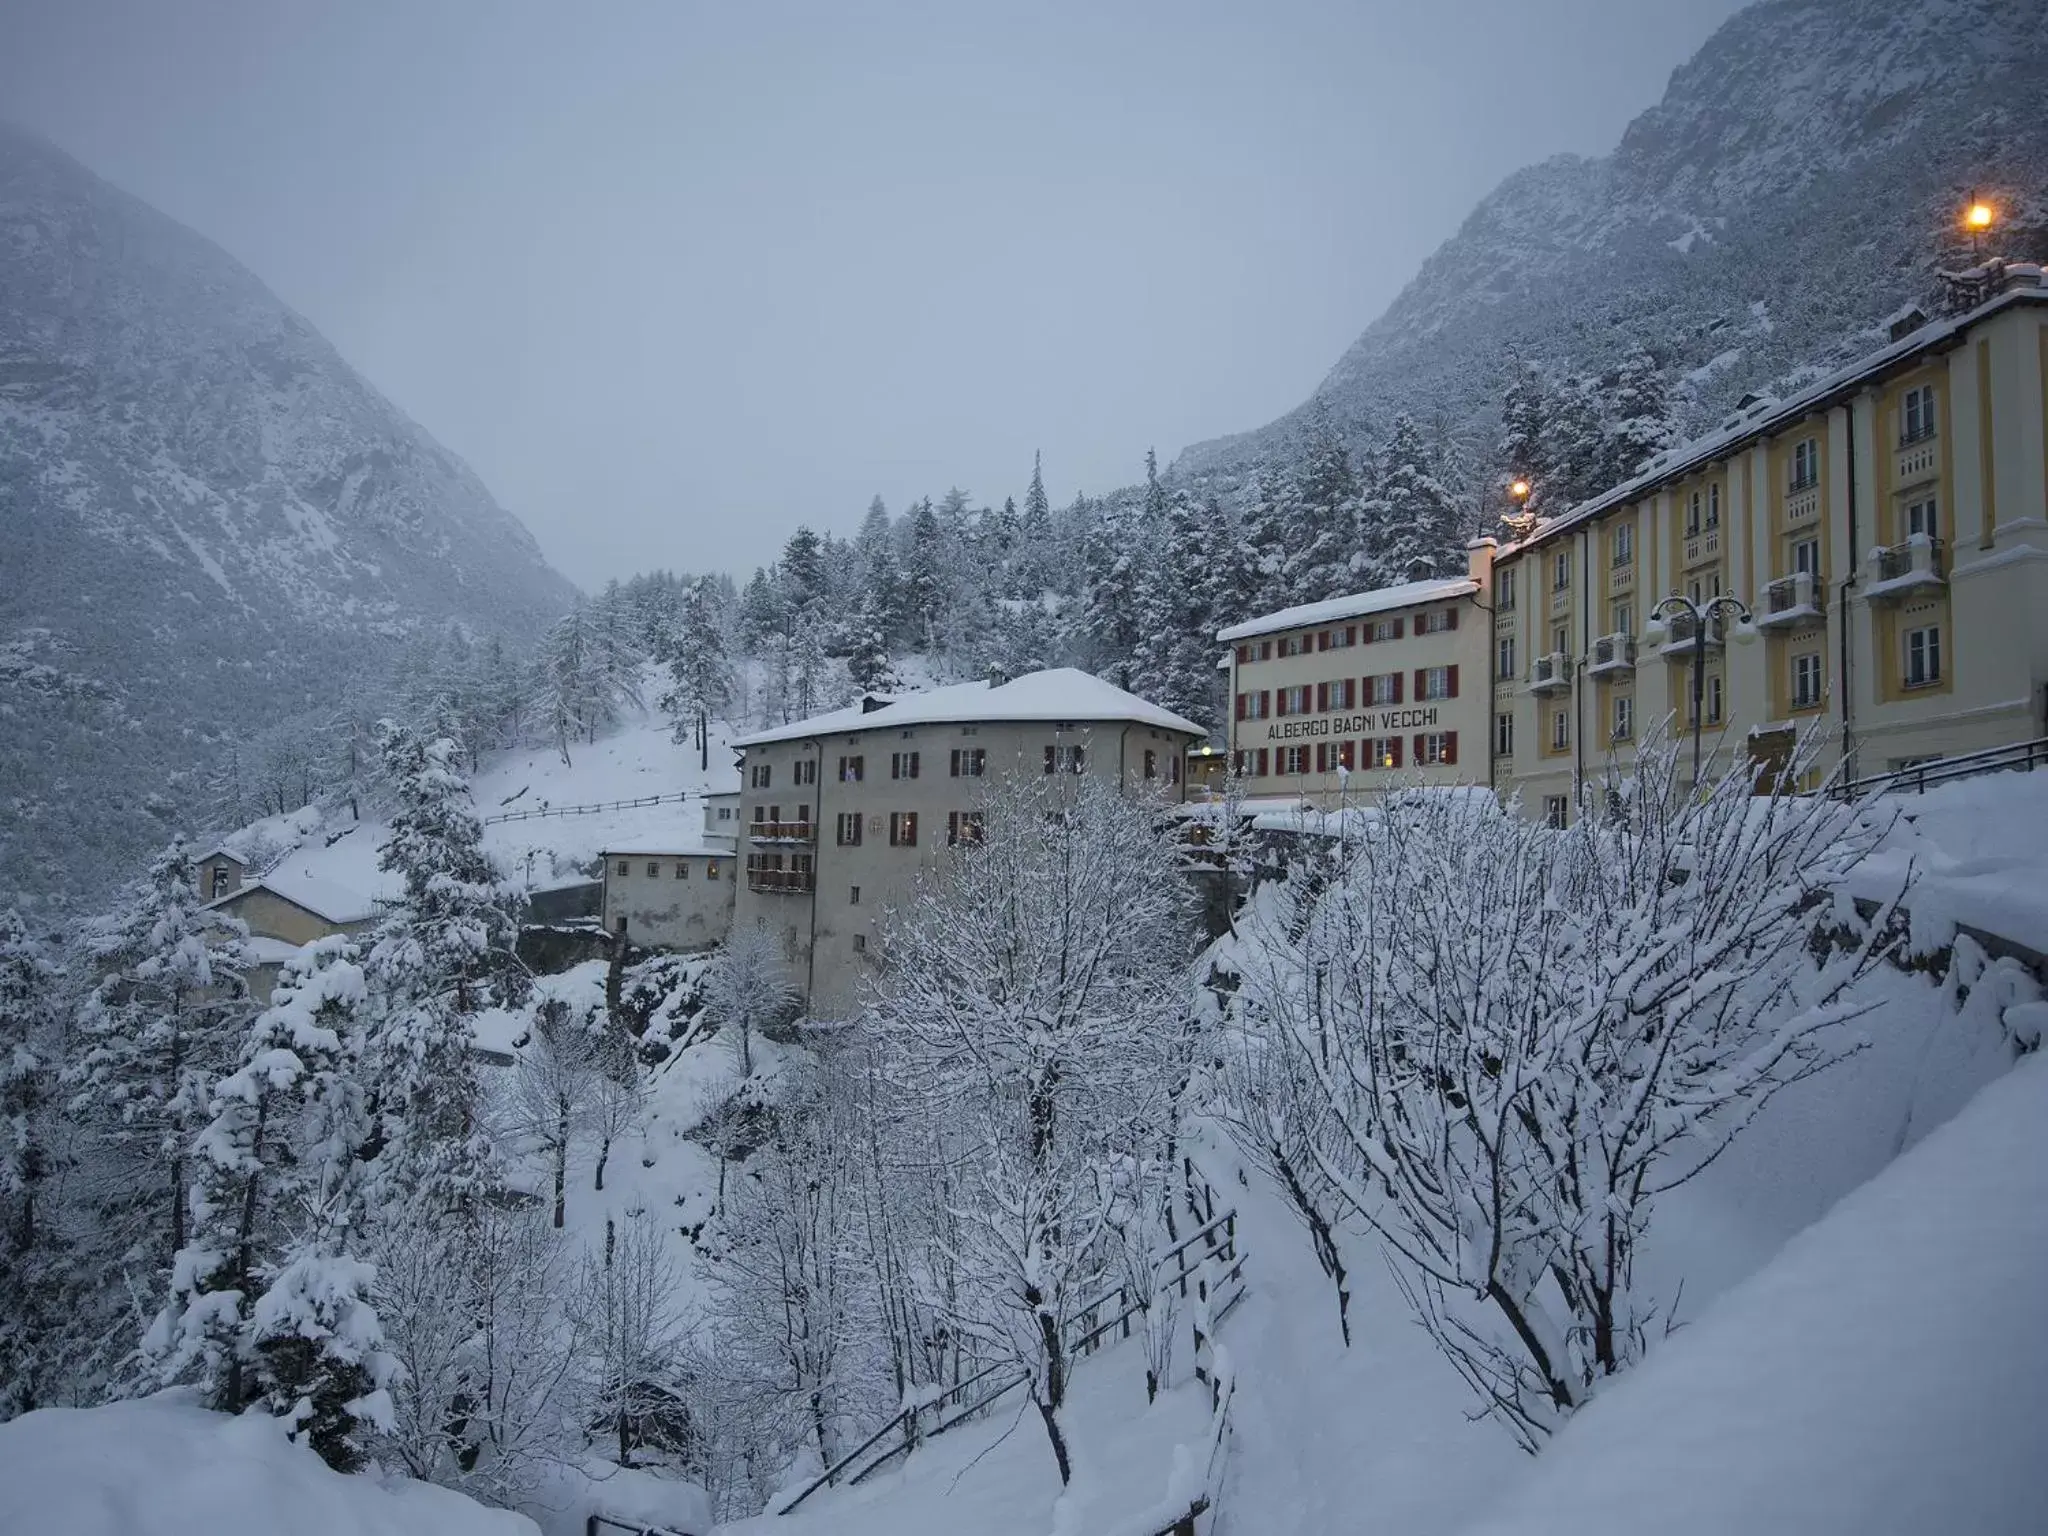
(162, 1466)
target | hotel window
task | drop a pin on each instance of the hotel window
(1065, 759)
(849, 829)
(653, 870)
(1692, 514)
(1806, 680)
(1806, 558)
(1436, 747)
(1560, 639)
(1383, 752)
(1923, 656)
(1253, 706)
(1345, 754)
(970, 762)
(1294, 701)
(1560, 730)
(1714, 700)
(1503, 735)
(1805, 464)
(1624, 543)
(903, 765)
(1436, 682)
(903, 829)
(1556, 809)
(963, 827)
(1623, 724)
(1383, 688)
(850, 769)
(1504, 590)
(1340, 638)
(1504, 663)
(1294, 760)
(807, 770)
(1341, 694)
(1561, 571)
(1436, 621)
(1918, 414)
(757, 776)
(1624, 619)
(1714, 506)
(1922, 517)
(682, 869)
(1294, 645)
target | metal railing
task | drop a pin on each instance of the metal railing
(605, 1525)
(1086, 1331)
(1917, 556)
(2020, 756)
(782, 880)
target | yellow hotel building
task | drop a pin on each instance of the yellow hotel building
(1888, 529)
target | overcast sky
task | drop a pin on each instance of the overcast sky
(676, 277)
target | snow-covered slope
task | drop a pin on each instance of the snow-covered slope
(208, 521)
(1791, 188)
(1886, 1373)
(165, 1467)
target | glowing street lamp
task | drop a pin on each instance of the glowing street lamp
(1520, 520)
(1978, 217)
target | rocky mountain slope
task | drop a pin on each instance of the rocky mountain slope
(207, 521)
(1795, 185)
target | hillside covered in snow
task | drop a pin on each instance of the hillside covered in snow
(208, 522)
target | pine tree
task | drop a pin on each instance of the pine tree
(868, 664)
(923, 574)
(1524, 448)
(1112, 619)
(31, 1040)
(1639, 424)
(699, 673)
(1265, 545)
(1415, 521)
(803, 570)
(158, 1029)
(1037, 538)
(443, 952)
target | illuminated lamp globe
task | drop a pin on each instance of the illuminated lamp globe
(1980, 215)
(1519, 490)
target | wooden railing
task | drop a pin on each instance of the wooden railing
(781, 879)
(781, 832)
(605, 1525)
(1217, 1291)
(586, 810)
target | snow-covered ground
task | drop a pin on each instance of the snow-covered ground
(165, 1467)
(1886, 1373)
(1979, 852)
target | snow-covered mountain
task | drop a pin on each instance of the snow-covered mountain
(1794, 186)
(208, 521)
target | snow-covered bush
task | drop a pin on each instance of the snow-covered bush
(1494, 1044)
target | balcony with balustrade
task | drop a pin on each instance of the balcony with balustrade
(782, 882)
(1550, 673)
(1684, 633)
(1612, 654)
(801, 832)
(1792, 602)
(1909, 569)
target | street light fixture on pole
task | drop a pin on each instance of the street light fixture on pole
(1978, 217)
(1718, 606)
(1521, 520)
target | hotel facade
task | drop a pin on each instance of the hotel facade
(841, 812)
(1886, 529)
(1333, 702)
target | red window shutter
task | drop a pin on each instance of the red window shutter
(1241, 705)
(1400, 628)
(1322, 698)
(1351, 634)
(1421, 750)
(1365, 634)
(1262, 762)
(1450, 618)
(1265, 702)
(1244, 654)
(1451, 677)
(1397, 686)
(1322, 757)
(1450, 746)
(1322, 639)
(1281, 707)
(1394, 751)
(1421, 684)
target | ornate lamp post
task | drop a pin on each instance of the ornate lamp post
(1716, 607)
(1978, 217)
(1520, 520)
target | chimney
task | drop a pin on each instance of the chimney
(1479, 562)
(997, 675)
(871, 702)
(1421, 570)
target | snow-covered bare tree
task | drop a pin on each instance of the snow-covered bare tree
(1033, 998)
(1505, 1042)
(749, 988)
(630, 1330)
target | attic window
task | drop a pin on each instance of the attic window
(1905, 323)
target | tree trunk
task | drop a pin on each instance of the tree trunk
(1059, 1441)
(604, 1154)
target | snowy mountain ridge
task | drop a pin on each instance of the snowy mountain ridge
(196, 487)
(1793, 186)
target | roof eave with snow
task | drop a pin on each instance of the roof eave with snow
(1409, 594)
(1059, 694)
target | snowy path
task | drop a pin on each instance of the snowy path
(1373, 1438)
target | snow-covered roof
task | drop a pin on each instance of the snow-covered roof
(219, 851)
(322, 898)
(1060, 693)
(1767, 419)
(1408, 594)
(680, 848)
